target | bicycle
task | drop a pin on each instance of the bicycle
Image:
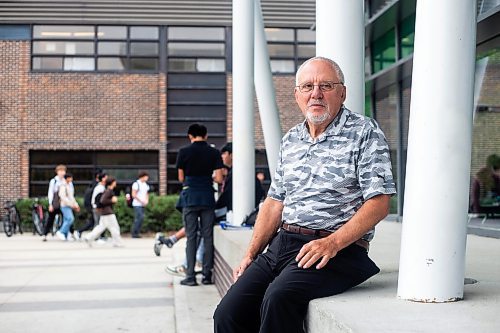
(39, 218)
(11, 221)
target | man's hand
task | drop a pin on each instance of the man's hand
(238, 271)
(315, 250)
(51, 208)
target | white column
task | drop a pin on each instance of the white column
(340, 36)
(264, 88)
(243, 110)
(433, 243)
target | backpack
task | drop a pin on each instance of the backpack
(87, 196)
(128, 195)
(97, 200)
(56, 201)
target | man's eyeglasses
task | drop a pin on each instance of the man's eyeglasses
(323, 86)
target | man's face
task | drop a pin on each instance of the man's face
(227, 158)
(61, 173)
(144, 178)
(69, 180)
(319, 107)
(103, 180)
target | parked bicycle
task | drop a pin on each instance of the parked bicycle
(11, 220)
(39, 217)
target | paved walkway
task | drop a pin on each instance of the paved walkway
(69, 287)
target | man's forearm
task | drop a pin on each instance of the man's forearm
(266, 225)
(370, 213)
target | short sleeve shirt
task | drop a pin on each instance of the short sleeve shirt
(199, 159)
(323, 182)
(142, 189)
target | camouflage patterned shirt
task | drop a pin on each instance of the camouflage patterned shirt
(323, 182)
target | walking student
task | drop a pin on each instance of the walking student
(53, 196)
(68, 204)
(140, 193)
(107, 219)
(88, 205)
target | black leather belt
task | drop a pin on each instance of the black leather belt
(295, 229)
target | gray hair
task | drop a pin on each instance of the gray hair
(332, 63)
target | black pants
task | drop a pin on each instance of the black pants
(273, 293)
(50, 221)
(89, 224)
(206, 218)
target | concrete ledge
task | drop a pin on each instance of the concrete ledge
(374, 307)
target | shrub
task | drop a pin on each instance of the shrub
(160, 214)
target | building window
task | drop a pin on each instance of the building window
(196, 49)
(384, 51)
(15, 32)
(407, 36)
(289, 48)
(123, 165)
(95, 48)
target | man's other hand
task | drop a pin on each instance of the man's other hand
(238, 271)
(320, 250)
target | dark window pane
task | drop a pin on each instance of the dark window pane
(112, 48)
(182, 65)
(54, 63)
(280, 35)
(146, 64)
(407, 38)
(70, 48)
(129, 175)
(144, 32)
(111, 64)
(196, 33)
(196, 49)
(280, 50)
(63, 31)
(306, 35)
(306, 50)
(144, 49)
(79, 64)
(127, 158)
(112, 32)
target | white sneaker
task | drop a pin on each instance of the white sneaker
(76, 234)
(88, 241)
(70, 238)
(60, 235)
(179, 270)
(198, 267)
(101, 241)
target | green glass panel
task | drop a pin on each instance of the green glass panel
(384, 51)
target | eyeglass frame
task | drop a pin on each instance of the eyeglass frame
(318, 85)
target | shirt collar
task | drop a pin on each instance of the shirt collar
(332, 129)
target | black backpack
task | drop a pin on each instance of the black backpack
(87, 196)
(97, 200)
(128, 194)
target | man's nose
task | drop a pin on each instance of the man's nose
(316, 92)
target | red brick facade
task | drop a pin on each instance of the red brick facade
(74, 111)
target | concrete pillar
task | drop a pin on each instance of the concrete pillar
(340, 36)
(264, 89)
(433, 243)
(243, 110)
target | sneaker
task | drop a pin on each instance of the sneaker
(189, 282)
(158, 244)
(179, 270)
(70, 238)
(101, 241)
(44, 239)
(136, 236)
(60, 235)
(207, 280)
(77, 235)
(168, 242)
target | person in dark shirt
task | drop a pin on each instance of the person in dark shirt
(107, 218)
(199, 165)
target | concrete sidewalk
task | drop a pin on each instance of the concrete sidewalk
(68, 287)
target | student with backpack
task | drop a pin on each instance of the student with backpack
(87, 203)
(53, 196)
(107, 219)
(140, 196)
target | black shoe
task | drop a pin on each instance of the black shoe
(207, 280)
(189, 282)
(158, 244)
(136, 236)
(168, 242)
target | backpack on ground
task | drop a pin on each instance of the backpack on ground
(97, 200)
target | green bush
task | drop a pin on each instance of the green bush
(160, 214)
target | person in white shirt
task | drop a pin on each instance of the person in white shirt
(140, 193)
(99, 188)
(54, 206)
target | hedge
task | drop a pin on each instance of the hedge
(160, 213)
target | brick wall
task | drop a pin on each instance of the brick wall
(290, 114)
(78, 111)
